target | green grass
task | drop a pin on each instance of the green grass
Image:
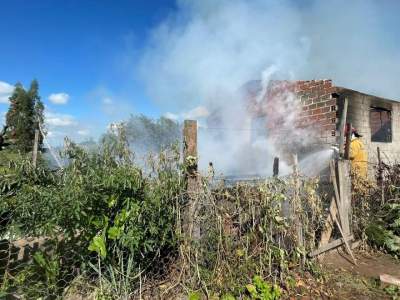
(7, 155)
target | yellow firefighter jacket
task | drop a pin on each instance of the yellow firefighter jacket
(358, 157)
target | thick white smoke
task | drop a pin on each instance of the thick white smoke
(204, 52)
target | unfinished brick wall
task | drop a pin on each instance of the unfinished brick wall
(294, 105)
(318, 107)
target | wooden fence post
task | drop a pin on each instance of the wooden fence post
(35, 148)
(348, 141)
(191, 223)
(276, 167)
(344, 184)
(342, 127)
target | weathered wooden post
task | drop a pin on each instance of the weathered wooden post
(35, 148)
(191, 223)
(343, 169)
(342, 127)
(275, 169)
(344, 184)
(348, 141)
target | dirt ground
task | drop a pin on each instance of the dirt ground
(345, 280)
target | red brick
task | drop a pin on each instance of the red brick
(316, 111)
(326, 109)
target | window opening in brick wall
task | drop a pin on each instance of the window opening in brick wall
(380, 120)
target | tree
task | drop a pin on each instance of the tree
(145, 134)
(25, 113)
(38, 109)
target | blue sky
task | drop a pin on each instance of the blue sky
(84, 49)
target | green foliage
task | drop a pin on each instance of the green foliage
(39, 278)
(375, 220)
(114, 221)
(383, 238)
(393, 291)
(25, 112)
(194, 296)
(228, 297)
(262, 290)
(99, 205)
(98, 245)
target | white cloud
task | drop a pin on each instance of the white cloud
(5, 91)
(83, 132)
(59, 98)
(171, 116)
(55, 134)
(60, 120)
(195, 113)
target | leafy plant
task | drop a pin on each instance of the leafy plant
(194, 296)
(99, 205)
(393, 291)
(383, 238)
(262, 290)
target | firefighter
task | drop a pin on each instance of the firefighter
(358, 155)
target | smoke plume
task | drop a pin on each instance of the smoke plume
(204, 52)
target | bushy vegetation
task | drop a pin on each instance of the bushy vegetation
(248, 230)
(99, 216)
(107, 228)
(377, 209)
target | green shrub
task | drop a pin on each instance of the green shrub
(99, 205)
(262, 290)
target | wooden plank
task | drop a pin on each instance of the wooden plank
(344, 207)
(190, 138)
(342, 127)
(191, 221)
(331, 245)
(333, 209)
(389, 279)
(346, 242)
(329, 224)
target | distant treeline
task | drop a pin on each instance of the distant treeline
(145, 134)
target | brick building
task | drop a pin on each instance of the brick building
(306, 114)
